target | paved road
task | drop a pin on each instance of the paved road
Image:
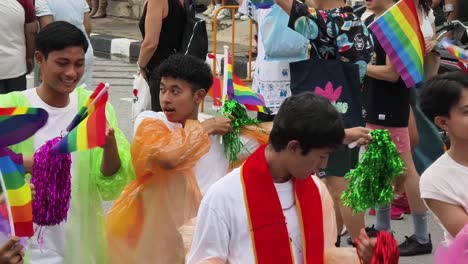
(120, 76)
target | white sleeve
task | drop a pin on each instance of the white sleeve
(148, 114)
(211, 238)
(249, 147)
(85, 7)
(435, 186)
(431, 17)
(42, 8)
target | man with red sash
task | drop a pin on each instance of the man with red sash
(271, 210)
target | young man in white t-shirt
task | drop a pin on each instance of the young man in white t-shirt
(271, 210)
(444, 100)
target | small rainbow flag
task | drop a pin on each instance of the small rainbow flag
(82, 113)
(459, 53)
(237, 90)
(20, 123)
(18, 196)
(399, 33)
(91, 131)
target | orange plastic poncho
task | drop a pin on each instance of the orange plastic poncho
(142, 225)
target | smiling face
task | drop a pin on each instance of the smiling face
(62, 70)
(178, 100)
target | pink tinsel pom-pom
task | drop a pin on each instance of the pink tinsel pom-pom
(453, 252)
(52, 180)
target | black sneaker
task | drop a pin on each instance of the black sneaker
(411, 247)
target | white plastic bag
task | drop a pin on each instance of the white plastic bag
(141, 96)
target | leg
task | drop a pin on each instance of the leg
(335, 194)
(339, 163)
(420, 242)
(411, 184)
(101, 12)
(94, 7)
(413, 130)
(400, 201)
(344, 215)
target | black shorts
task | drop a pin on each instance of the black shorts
(341, 162)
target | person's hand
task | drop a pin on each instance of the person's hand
(29, 65)
(110, 135)
(143, 74)
(217, 125)
(12, 251)
(366, 246)
(33, 191)
(357, 135)
(28, 163)
(430, 45)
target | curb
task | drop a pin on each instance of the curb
(128, 50)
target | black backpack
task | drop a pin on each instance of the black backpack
(195, 37)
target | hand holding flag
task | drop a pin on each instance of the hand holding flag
(90, 131)
(239, 91)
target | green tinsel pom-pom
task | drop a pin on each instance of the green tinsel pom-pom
(239, 117)
(370, 184)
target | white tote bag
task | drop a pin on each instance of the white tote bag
(141, 96)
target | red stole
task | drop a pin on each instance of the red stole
(267, 224)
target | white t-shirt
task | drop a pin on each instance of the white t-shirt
(213, 165)
(12, 40)
(54, 237)
(222, 227)
(446, 181)
(426, 25)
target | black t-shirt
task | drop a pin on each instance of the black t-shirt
(386, 103)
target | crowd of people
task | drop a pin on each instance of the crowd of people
(178, 198)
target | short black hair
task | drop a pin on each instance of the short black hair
(59, 35)
(188, 68)
(441, 93)
(310, 119)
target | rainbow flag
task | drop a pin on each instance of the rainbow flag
(20, 123)
(459, 53)
(17, 193)
(82, 113)
(399, 33)
(237, 90)
(91, 131)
